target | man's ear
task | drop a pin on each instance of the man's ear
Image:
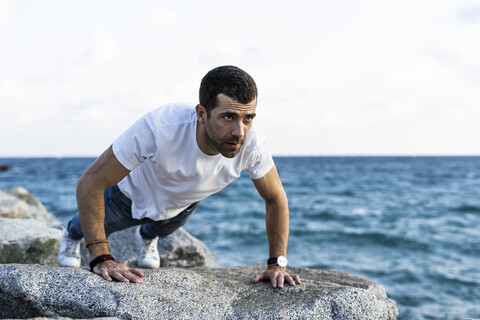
(201, 114)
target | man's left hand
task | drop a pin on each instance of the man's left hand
(277, 276)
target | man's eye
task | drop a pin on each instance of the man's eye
(228, 117)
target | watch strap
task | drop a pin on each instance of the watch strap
(280, 261)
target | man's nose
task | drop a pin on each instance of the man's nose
(238, 130)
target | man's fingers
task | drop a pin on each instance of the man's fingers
(119, 276)
(280, 281)
(297, 279)
(258, 277)
(135, 275)
(290, 280)
(132, 277)
(137, 280)
(119, 272)
(126, 276)
(273, 280)
(103, 272)
(136, 272)
(105, 275)
(277, 279)
(293, 280)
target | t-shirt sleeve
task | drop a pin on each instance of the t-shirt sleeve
(261, 160)
(136, 144)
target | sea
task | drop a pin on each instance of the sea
(411, 224)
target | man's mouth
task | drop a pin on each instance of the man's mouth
(234, 144)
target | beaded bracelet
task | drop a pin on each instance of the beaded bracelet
(95, 242)
(99, 259)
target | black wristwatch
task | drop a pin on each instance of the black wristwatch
(280, 261)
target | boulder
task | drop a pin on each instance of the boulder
(5, 167)
(28, 291)
(28, 241)
(28, 233)
(12, 207)
(180, 249)
(18, 203)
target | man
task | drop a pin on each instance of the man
(156, 172)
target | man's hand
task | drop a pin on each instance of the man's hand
(110, 269)
(277, 277)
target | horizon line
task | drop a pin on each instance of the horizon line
(274, 155)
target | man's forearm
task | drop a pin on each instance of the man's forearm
(105, 172)
(277, 232)
(277, 223)
(91, 209)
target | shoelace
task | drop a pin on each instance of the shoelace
(72, 246)
(149, 248)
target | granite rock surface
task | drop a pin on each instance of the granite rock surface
(28, 241)
(28, 291)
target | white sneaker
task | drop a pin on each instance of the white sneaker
(69, 253)
(148, 256)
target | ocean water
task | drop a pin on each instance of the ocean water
(409, 223)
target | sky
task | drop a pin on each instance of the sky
(345, 77)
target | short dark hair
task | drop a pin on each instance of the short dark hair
(229, 80)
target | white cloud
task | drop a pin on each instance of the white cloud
(469, 13)
(5, 9)
(103, 46)
(161, 18)
(11, 89)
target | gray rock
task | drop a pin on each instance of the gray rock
(180, 249)
(28, 241)
(64, 318)
(5, 167)
(18, 203)
(12, 207)
(27, 230)
(194, 293)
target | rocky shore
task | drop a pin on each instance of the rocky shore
(189, 285)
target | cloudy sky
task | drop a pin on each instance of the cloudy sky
(343, 77)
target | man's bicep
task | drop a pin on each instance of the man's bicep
(269, 186)
(106, 171)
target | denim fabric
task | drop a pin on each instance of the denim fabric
(118, 216)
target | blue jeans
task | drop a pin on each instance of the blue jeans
(118, 216)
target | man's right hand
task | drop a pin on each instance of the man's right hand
(110, 270)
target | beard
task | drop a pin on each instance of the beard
(221, 144)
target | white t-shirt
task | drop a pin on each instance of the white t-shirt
(169, 172)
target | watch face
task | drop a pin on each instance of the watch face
(282, 261)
